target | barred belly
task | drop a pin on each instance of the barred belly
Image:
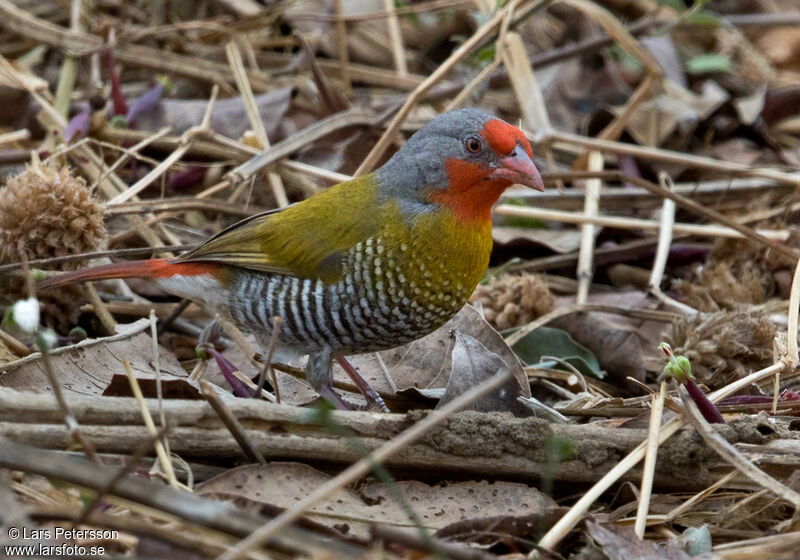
(339, 316)
(362, 312)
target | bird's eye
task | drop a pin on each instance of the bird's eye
(473, 144)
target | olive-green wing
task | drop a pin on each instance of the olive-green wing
(306, 239)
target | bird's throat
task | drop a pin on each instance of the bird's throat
(470, 193)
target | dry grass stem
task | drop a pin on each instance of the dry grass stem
(651, 452)
(267, 371)
(16, 136)
(17, 347)
(462, 51)
(257, 125)
(794, 307)
(669, 156)
(395, 38)
(590, 208)
(100, 308)
(163, 457)
(665, 230)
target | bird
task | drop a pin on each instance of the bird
(369, 264)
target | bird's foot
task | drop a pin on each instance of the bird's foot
(329, 393)
(374, 400)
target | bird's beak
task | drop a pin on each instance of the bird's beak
(519, 168)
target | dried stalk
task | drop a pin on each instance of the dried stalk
(163, 456)
(651, 452)
(337, 121)
(586, 254)
(234, 426)
(243, 85)
(342, 49)
(16, 136)
(670, 156)
(395, 38)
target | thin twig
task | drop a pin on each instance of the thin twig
(666, 227)
(395, 38)
(100, 308)
(157, 367)
(267, 369)
(340, 30)
(670, 156)
(18, 348)
(713, 215)
(234, 426)
(15, 136)
(565, 216)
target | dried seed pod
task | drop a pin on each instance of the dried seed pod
(511, 301)
(48, 212)
(725, 345)
(723, 285)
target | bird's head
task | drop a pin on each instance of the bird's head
(462, 160)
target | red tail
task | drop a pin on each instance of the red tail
(153, 268)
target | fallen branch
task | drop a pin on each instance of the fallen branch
(517, 450)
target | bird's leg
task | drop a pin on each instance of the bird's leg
(374, 400)
(320, 375)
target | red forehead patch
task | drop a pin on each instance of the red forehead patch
(503, 137)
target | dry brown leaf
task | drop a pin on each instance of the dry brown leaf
(86, 368)
(228, 118)
(621, 543)
(425, 363)
(559, 241)
(283, 484)
(613, 339)
(472, 364)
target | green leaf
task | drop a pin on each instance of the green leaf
(676, 5)
(709, 63)
(494, 273)
(704, 17)
(519, 221)
(559, 449)
(627, 59)
(547, 341)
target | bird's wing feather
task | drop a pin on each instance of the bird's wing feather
(305, 239)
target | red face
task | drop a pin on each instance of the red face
(495, 158)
